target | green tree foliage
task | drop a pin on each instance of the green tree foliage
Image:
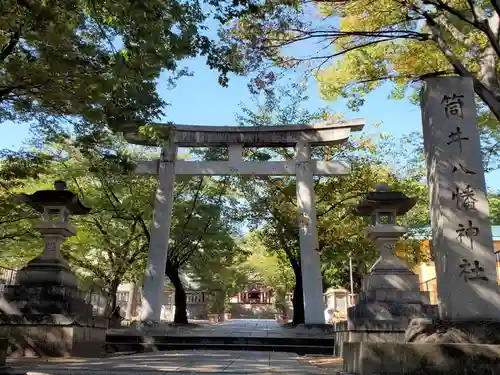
(263, 265)
(494, 201)
(112, 241)
(359, 45)
(110, 245)
(19, 171)
(272, 201)
(97, 63)
(203, 233)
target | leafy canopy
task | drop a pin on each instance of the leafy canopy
(97, 62)
(359, 44)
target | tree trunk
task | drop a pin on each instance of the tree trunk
(131, 303)
(113, 288)
(298, 295)
(114, 316)
(180, 299)
(487, 94)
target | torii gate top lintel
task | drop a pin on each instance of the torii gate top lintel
(322, 133)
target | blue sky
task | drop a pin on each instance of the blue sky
(200, 100)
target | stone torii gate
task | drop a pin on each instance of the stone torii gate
(302, 137)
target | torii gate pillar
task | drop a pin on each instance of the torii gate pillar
(154, 275)
(310, 264)
(304, 168)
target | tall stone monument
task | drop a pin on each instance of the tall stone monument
(462, 242)
(44, 313)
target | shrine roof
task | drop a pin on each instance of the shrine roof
(322, 133)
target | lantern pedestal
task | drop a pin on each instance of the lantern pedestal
(390, 294)
(50, 267)
(44, 313)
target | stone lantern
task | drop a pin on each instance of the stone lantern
(44, 313)
(390, 294)
(56, 205)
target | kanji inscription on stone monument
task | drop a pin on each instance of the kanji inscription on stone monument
(461, 233)
(469, 232)
(460, 168)
(465, 198)
(453, 105)
(456, 137)
(472, 273)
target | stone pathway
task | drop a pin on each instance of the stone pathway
(181, 362)
(233, 328)
(193, 361)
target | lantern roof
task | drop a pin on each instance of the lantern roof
(384, 200)
(59, 197)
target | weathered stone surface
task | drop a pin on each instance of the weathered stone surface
(181, 362)
(154, 275)
(45, 300)
(43, 271)
(391, 311)
(54, 340)
(54, 319)
(392, 358)
(448, 331)
(461, 234)
(330, 132)
(394, 295)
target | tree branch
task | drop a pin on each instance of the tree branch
(8, 49)
(181, 255)
(10, 221)
(336, 204)
(436, 34)
(496, 6)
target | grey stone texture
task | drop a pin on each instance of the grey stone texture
(54, 335)
(447, 331)
(461, 232)
(392, 358)
(328, 132)
(181, 362)
(46, 271)
(46, 299)
(55, 341)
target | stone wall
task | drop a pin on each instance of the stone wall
(54, 340)
(378, 333)
(393, 358)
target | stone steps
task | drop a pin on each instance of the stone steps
(299, 345)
